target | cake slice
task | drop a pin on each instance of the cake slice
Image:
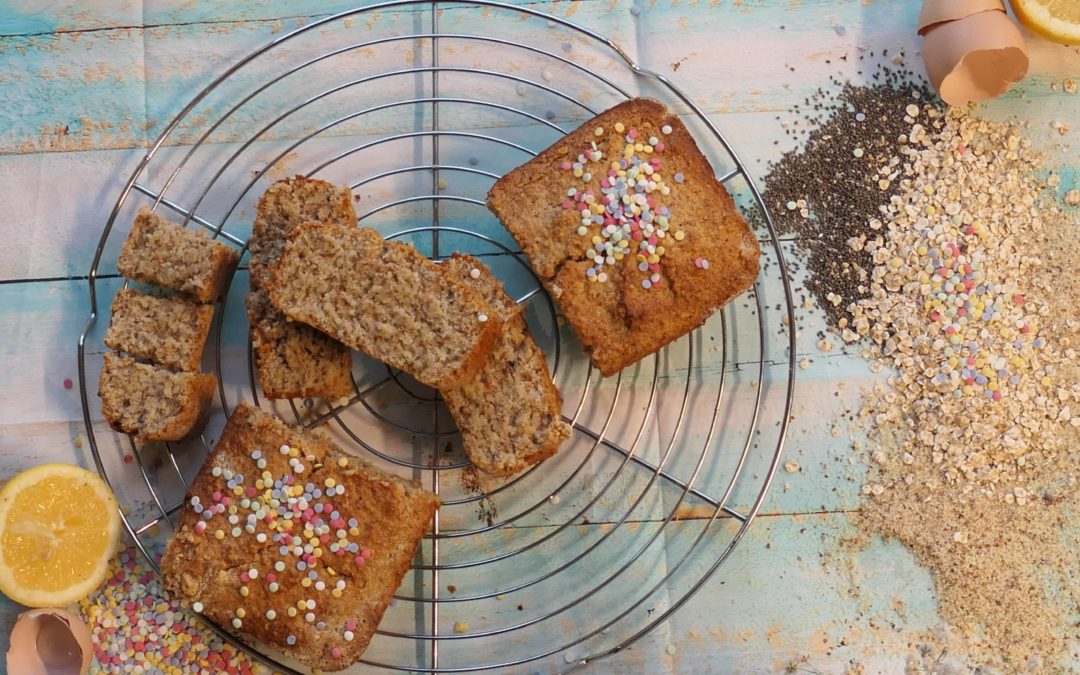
(386, 300)
(151, 402)
(510, 413)
(177, 258)
(626, 225)
(317, 545)
(294, 360)
(291, 202)
(170, 331)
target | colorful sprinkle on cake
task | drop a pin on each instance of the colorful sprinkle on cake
(623, 215)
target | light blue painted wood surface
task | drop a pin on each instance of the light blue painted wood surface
(87, 88)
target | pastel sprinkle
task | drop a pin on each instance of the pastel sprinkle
(624, 207)
(297, 515)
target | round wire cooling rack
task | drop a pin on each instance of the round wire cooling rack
(420, 107)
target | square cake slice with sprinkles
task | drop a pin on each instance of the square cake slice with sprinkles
(287, 540)
(627, 226)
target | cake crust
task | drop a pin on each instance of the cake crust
(362, 554)
(709, 254)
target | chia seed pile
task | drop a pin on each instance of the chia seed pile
(934, 247)
(828, 191)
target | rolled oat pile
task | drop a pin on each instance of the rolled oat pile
(960, 283)
(971, 305)
(960, 308)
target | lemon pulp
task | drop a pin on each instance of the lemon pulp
(60, 527)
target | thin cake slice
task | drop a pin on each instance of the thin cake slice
(316, 597)
(294, 360)
(151, 402)
(170, 331)
(625, 223)
(510, 413)
(181, 259)
(386, 300)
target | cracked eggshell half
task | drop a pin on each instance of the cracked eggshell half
(49, 642)
(936, 12)
(972, 49)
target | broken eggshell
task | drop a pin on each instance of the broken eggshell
(49, 642)
(940, 11)
(976, 57)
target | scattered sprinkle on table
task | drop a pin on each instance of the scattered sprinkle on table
(137, 628)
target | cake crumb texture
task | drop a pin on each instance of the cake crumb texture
(176, 258)
(386, 300)
(294, 360)
(152, 402)
(170, 331)
(510, 413)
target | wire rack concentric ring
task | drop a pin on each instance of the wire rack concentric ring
(420, 107)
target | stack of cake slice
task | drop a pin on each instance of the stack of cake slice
(150, 386)
(294, 360)
(449, 325)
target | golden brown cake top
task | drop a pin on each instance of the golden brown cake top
(625, 222)
(289, 541)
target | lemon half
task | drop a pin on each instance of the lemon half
(59, 528)
(1058, 20)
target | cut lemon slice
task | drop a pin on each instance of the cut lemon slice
(59, 527)
(1058, 20)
